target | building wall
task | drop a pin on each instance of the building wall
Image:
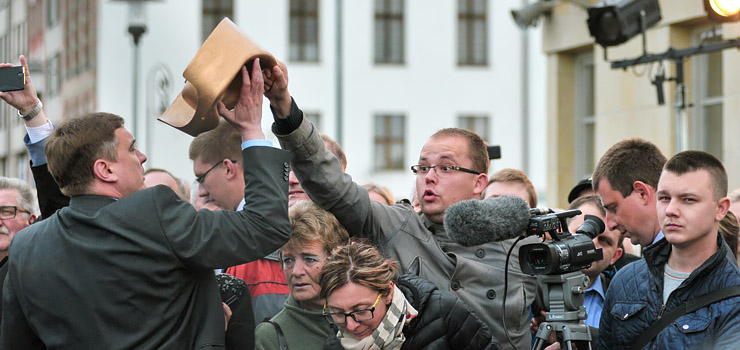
(625, 102)
(13, 159)
(429, 88)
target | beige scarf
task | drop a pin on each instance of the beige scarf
(389, 333)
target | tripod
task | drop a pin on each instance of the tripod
(563, 299)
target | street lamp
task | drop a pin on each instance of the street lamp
(137, 28)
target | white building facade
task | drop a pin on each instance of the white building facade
(407, 69)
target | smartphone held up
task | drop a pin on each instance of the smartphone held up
(12, 78)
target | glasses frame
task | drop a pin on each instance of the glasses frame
(416, 169)
(329, 315)
(15, 211)
(202, 177)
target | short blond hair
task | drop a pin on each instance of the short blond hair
(310, 223)
(518, 176)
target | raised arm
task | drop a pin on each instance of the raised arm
(39, 128)
(226, 238)
(25, 100)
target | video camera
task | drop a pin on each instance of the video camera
(563, 285)
(566, 252)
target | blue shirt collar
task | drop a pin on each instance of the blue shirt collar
(597, 287)
(658, 237)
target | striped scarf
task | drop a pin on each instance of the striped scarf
(388, 335)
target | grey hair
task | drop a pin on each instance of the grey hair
(27, 199)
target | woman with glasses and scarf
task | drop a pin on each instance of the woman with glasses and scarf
(375, 309)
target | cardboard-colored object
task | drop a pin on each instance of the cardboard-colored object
(214, 75)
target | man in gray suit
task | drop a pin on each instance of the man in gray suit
(132, 268)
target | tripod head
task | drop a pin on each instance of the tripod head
(563, 296)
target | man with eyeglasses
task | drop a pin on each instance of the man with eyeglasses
(452, 167)
(17, 211)
(216, 156)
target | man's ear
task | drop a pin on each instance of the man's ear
(617, 254)
(644, 191)
(723, 206)
(103, 171)
(231, 169)
(481, 182)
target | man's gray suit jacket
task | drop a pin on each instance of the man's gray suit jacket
(137, 273)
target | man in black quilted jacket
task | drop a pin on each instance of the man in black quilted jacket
(691, 262)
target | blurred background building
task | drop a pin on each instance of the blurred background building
(379, 76)
(591, 106)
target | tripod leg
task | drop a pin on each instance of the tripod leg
(543, 334)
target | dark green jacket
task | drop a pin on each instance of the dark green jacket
(303, 329)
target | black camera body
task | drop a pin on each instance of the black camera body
(566, 252)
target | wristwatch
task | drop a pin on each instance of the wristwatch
(35, 111)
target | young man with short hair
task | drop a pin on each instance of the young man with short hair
(511, 182)
(691, 262)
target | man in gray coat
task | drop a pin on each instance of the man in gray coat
(123, 267)
(453, 166)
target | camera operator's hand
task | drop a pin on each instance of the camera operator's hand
(534, 325)
(278, 93)
(24, 100)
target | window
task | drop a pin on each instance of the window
(79, 37)
(22, 166)
(706, 119)
(213, 12)
(4, 46)
(389, 34)
(472, 38)
(389, 142)
(23, 37)
(54, 76)
(304, 30)
(585, 120)
(52, 13)
(314, 118)
(476, 124)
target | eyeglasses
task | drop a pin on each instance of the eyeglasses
(358, 315)
(441, 169)
(9, 212)
(202, 177)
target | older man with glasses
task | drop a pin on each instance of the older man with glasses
(17, 211)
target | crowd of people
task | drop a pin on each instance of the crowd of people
(277, 248)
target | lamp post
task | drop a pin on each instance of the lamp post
(137, 28)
